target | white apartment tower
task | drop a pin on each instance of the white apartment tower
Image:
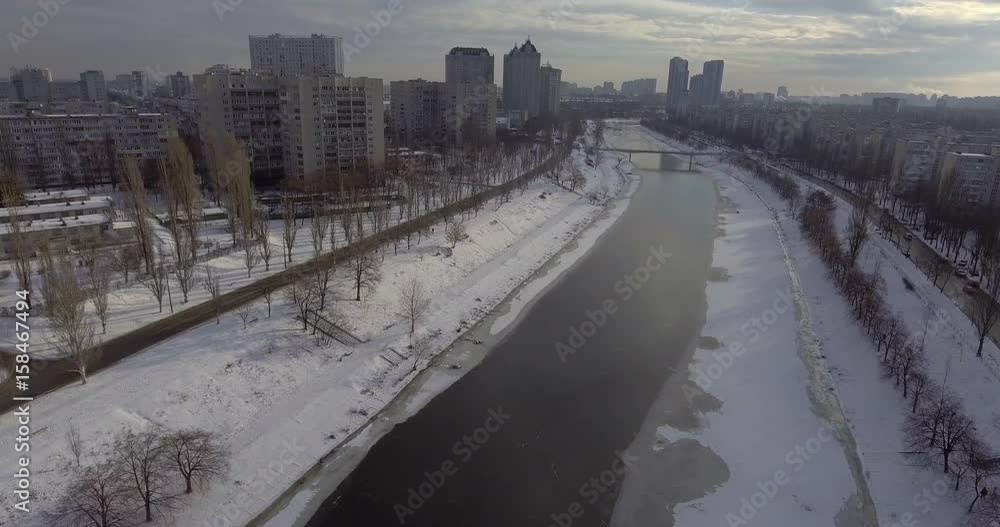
(297, 54)
(31, 83)
(333, 126)
(92, 86)
(551, 79)
(245, 104)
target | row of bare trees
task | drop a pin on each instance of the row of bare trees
(141, 477)
(938, 429)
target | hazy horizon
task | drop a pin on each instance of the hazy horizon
(812, 46)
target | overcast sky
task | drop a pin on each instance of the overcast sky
(812, 46)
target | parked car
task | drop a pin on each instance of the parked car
(970, 288)
(908, 237)
(961, 273)
(963, 264)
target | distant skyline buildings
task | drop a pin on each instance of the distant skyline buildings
(712, 91)
(677, 80)
(522, 79)
(469, 65)
(315, 54)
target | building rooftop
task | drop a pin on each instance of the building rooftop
(58, 223)
(96, 202)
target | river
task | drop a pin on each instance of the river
(538, 433)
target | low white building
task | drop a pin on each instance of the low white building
(72, 222)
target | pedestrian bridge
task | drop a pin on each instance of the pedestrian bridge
(690, 153)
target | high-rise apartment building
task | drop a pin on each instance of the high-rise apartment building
(522, 79)
(92, 85)
(139, 86)
(428, 114)
(245, 104)
(712, 71)
(65, 90)
(179, 84)
(31, 83)
(50, 149)
(696, 95)
(295, 126)
(970, 181)
(297, 54)
(782, 92)
(677, 80)
(551, 80)
(333, 126)
(639, 88)
(469, 65)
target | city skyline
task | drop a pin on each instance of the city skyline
(813, 47)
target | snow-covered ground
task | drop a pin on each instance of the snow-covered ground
(761, 414)
(904, 492)
(133, 305)
(280, 398)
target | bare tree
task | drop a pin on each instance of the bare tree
(301, 295)
(200, 456)
(454, 233)
(100, 287)
(213, 286)
(291, 228)
(420, 348)
(319, 225)
(365, 268)
(73, 335)
(268, 293)
(98, 497)
(125, 259)
(137, 210)
(985, 310)
(244, 311)
(413, 303)
(321, 284)
(156, 280)
(183, 198)
(146, 465)
(20, 247)
(936, 268)
(263, 235)
(857, 231)
(74, 442)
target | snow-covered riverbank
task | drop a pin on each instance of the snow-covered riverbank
(281, 399)
(903, 490)
(751, 400)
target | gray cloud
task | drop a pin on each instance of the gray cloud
(846, 45)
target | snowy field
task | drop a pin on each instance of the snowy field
(904, 491)
(280, 398)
